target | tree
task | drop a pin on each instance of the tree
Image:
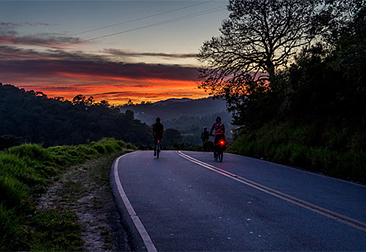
(258, 38)
(90, 101)
(104, 103)
(334, 18)
(79, 99)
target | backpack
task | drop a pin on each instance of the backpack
(158, 129)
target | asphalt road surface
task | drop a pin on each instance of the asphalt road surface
(186, 201)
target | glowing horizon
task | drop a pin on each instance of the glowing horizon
(116, 95)
(62, 49)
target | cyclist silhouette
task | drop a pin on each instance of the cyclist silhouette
(158, 130)
(205, 135)
(219, 129)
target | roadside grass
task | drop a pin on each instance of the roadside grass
(322, 148)
(27, 172)
(85, 189)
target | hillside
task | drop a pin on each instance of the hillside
(185, 115)
(35, 118)
(39, 188)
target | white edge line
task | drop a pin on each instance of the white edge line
(131, 211)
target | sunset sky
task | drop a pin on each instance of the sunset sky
(111, 50)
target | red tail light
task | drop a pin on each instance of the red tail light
(222, 142)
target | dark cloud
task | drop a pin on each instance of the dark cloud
(44, 40)
(144, 54)
(9, 36)
(13, 24)
(15, 61)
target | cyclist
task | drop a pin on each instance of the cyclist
(205, 136)
(219, 129)
(158, 130)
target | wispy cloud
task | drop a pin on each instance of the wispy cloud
(147, 54)
(10, 37)
(14, 24)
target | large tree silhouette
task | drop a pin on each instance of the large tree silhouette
(258, 38)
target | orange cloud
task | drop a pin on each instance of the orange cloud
(120, 91)
(59, 73)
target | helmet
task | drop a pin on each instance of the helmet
(205, 127)
(158, 119)
(218, 119)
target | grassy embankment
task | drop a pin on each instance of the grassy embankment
(319, 147)
(26, 172)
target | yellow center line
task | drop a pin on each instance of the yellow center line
(299, 202)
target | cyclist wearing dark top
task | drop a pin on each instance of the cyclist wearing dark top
(205, 135)
(158, 130)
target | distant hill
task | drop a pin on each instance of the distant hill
(35, 118)
(186, 115)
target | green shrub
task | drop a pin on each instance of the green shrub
(18, 168)
(13, 193)
(320, 147)
(42, 161)
(282, 153)
(11, 230)
(129, 146)
(99, 148)
(31, 151)
(299, 156)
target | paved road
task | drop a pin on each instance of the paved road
(185, 201)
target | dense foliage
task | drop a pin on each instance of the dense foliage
(320, 146)
(325, 78)
(324, 82)
(38, 119)
(25, 173)
(312, 113)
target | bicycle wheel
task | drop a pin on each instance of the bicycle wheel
(220, 156)
(157, 150)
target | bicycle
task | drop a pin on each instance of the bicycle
(219, 150)
(158, 148)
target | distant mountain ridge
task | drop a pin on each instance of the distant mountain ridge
(172, 100)
(174, 108)
(189, 116)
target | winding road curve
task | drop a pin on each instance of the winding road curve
(185, 201)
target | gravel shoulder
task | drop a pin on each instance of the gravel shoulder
(85, 190)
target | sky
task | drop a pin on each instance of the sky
(111, 50)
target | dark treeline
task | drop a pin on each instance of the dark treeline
(307, 111)
(318, 103)
(34, 118)
(326, 80)
(327, 83)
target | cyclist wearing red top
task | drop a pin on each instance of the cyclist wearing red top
(158, 130)
(219, 129)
